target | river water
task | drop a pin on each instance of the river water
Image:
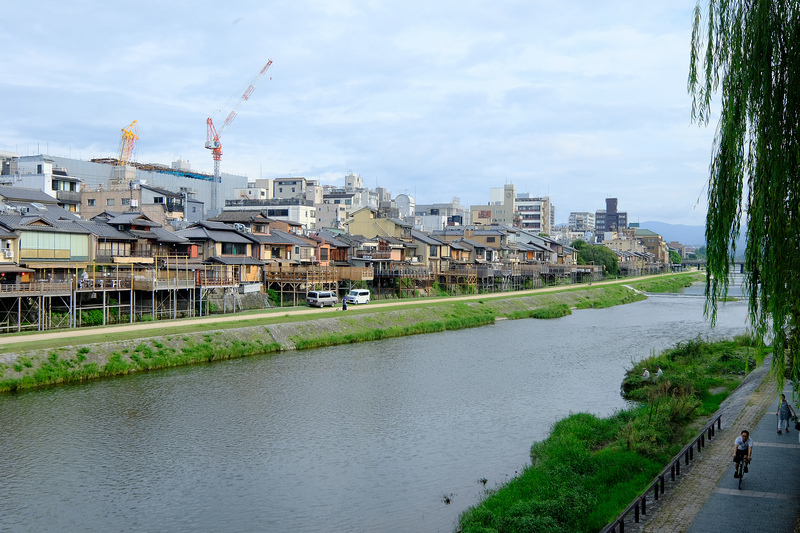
(363, 437)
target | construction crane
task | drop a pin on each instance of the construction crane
(129, 137)
(212, 135)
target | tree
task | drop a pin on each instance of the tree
(750, 52)
(598, 255)
(675, 258)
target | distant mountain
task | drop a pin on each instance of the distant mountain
(688, 235)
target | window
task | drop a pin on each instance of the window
(280, 189)
(110, 202)
(158, 199)
(194, 209)
(292, 189)
(126, 201)
(297, 250)
(434, 251)
(39, 169)
(489, 239)
(90, 201)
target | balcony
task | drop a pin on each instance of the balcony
(373, 254)
(68, 197)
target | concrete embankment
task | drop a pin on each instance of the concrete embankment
(31, 365)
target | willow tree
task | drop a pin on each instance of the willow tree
(748, 51)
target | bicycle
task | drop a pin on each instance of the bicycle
(741, 468)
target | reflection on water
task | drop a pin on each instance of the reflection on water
(364, 437)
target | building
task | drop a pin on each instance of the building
(609, 219)
(105, 173)
(41, 173)
(161, 205)
(581, 221)
(260, 189)
(454, 213)
(500, 209)
(534, 214)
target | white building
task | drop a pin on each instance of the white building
(535, 214)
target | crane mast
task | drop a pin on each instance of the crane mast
(212, 135)
(130, 135)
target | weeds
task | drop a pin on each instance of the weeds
(589, 469)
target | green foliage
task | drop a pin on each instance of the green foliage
(667, 284)
(675, 258)
(93, 317)
(598, 254)
(589, 469)
(273, 297)
(748, 51)
(451, 323)
(553, 311)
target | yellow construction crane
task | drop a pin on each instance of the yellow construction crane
(129, 137)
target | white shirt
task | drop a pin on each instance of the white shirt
(741, 445)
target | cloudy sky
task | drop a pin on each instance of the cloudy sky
(578, 100)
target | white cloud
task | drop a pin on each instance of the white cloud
(573, 99)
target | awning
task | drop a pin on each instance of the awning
(9, 267)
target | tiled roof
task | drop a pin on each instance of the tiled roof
(26, 195)
(104, 230)
(244, 260)
(207, 230)
(136, 219)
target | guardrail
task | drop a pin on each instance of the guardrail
(657, 486)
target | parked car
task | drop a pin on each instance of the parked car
(321, 298)
(357, 296)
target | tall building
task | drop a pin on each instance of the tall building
(535, 214)
(581, 221)
(500, 209)
(609, 219)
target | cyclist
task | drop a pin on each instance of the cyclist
(742, 449)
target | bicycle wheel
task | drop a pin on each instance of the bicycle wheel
(740, 468)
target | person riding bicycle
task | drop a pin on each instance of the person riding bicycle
(742, 449)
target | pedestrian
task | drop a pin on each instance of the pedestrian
(783, 413)
(344, 305)
(659, 372)
(646, 374)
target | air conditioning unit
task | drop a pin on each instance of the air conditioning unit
(9, 254)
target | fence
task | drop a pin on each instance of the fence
(657, 486)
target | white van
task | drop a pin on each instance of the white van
(321, 298)
(357, 296)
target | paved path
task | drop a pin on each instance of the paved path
(281, 312)
(707, 498)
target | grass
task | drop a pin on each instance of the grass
(589, 469)
(200, 342)
(332, 339)
(668, 284)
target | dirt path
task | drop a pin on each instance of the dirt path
(275, 312)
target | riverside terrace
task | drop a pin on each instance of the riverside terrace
(58, 271)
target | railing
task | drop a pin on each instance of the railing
(71, 197)
(657, 486)
(36, 286)
(374, 254)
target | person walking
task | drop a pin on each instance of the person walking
(784, 413)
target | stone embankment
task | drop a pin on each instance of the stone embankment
(29, 366)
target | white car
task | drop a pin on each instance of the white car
(357, 296)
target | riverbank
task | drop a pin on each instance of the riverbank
(60, 359)
(589, 469)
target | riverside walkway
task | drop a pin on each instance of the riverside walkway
(707, 498)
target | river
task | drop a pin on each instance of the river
(364, 437)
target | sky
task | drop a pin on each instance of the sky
(575, 100)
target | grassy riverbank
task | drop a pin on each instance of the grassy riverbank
(65, 360)
(589, 469)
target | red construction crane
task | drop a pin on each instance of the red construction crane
(212, 135)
